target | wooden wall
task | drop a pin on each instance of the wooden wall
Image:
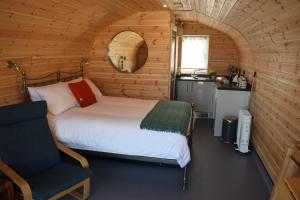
(267, 35)
(275, 46)
(45, 35)
(34, 38)
(222, 49)
(152, 80)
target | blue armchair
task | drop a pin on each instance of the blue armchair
(30, 157)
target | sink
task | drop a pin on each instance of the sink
(187, 78)
(200, 78)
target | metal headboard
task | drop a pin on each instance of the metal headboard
(53, 77)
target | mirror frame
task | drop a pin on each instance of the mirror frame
(111, 62)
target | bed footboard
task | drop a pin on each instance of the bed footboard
(189, 137)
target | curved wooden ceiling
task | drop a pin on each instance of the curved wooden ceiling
(262, 25)
(68, 17)
(246, 21)
(267, 33)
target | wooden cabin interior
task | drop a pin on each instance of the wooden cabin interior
(260, 38)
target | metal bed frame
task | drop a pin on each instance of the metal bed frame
(58, 76)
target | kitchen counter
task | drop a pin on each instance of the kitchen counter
(198, 78)
(221, 86)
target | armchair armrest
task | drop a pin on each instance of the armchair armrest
(17, 179)
(84, 163)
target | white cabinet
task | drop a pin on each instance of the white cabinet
(200, 93)
(228, 103)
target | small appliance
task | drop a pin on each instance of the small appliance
(243, 131)
(242, 83)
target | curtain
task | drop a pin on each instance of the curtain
(194, 52)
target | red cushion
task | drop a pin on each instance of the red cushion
(83, 93)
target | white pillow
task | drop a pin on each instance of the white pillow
(94, 89)
(74, 80)
(34, 95)
(58, 96)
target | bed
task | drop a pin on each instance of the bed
(111, 127)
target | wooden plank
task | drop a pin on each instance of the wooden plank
(263, 37)
(222, 49)
(152, 80)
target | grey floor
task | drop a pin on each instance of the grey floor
(216, 172)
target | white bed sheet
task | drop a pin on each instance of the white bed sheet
(112, 125)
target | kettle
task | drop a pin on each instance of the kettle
(235, 80)
(242, 83)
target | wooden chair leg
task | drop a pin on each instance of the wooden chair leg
(7, 189)
(10, 191)
(86, 189)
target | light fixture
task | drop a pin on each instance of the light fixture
(84, 61)
(12, 64)
(165, 5)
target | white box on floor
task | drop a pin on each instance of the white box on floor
(243, 131)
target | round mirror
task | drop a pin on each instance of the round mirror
(127, 51)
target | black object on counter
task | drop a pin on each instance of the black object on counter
(229, 129)
(230, 87)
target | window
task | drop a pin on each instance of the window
(194, 56)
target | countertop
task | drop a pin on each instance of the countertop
(190, 78)
(219, 85)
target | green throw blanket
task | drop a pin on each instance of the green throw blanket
(168, 116)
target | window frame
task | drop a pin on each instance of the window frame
(193, 70)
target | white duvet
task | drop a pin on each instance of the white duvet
(112, 125)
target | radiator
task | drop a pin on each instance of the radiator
(243, 131)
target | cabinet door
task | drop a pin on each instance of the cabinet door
(211, 90)
(214, 95)
(182, 90)
(202, 96)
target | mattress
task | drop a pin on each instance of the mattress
(112, 125)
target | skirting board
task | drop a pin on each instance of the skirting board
(262, 170)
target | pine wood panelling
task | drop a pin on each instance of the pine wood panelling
(45, 35)
(267, 35)
(222, 50)
(152, 80)
(273, 36)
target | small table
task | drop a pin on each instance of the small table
(6, 189)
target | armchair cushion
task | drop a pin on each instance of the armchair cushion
(26, 142)
(27, 146)
(14, 114)
(56, 179)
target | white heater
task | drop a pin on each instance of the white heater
(243, 131)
